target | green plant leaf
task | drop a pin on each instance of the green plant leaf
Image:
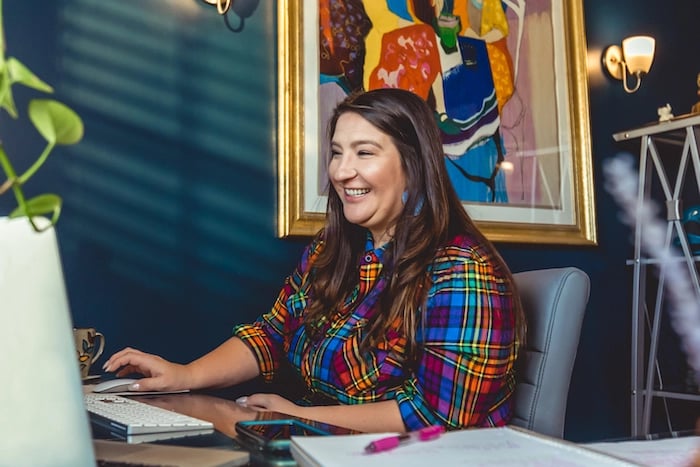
(7, 101)
(56, 122)
(48, 203)
(23, 75)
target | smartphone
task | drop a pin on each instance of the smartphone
(274, 435)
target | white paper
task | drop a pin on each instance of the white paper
(670, 452)
(498, 447)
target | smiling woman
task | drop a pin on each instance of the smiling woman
(399, 315)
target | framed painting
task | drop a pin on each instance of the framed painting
(507, 80)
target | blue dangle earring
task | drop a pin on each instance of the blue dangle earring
(419, 205)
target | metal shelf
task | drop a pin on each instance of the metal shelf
(674, 395)
(679, 259)
(681, 134)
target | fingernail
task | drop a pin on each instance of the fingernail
(134, 387)
(242, 400)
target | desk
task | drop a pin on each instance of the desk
(222, 412)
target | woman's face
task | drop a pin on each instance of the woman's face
(365, 170)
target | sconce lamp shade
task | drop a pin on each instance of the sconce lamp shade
(639, 53)
(634, 58)
(222, 6)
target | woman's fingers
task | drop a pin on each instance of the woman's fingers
(133, 361)
(126, 370)
(262, 401)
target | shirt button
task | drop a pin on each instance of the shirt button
(368, 258)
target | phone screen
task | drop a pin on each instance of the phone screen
(276, 429)
(275, 434)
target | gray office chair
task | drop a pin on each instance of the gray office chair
(554, 301)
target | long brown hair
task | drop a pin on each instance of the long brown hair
(432, 215)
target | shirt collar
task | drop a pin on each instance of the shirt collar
(369, 247)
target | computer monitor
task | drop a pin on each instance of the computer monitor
(44, 422)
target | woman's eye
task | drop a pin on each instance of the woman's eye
(364, 153)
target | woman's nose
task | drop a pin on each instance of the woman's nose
(343, 168)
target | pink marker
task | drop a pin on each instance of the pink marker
(390, 442)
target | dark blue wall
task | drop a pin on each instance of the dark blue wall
(168, 229)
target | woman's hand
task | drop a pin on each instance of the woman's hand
(370, 417)
(212, 370)
(159, 374)
(271, 402)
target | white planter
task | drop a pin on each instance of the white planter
(41, 403)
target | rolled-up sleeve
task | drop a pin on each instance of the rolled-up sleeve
(266, 336)
(464, 375)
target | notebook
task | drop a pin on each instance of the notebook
(482, 446)
(45, 422)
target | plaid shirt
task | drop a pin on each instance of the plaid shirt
(464, 373)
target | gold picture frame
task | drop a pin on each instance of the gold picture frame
(571, 220)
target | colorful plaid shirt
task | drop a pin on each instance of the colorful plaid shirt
(464, 373)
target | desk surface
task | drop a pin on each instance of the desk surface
(224, 412)
(217, 408)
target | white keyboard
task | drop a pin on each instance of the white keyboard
(132, 417)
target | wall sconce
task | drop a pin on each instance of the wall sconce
(243, 8)
(633, 58)
(222, 6)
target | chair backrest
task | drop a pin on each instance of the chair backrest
(554, 301)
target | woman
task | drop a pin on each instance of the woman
(400, 313)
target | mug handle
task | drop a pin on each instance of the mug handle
(101, 348)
